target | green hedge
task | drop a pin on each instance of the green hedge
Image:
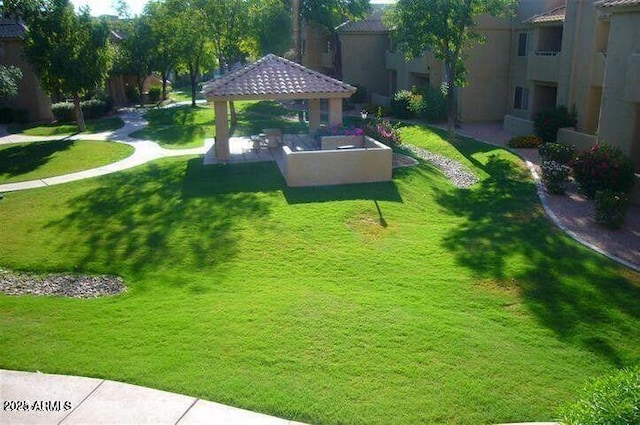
(92, 109)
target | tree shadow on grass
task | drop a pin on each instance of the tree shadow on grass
(173, 216)
(25, 158)
(383, 191)
(508, 239)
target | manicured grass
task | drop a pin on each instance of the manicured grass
(442, 306)
(179, 127)
(38, 160)
(93, 126)
(183, 94)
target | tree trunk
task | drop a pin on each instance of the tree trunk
(451, 103)
(194, 83)
(164, 84)
(297, 39)
(79, 116)
(234, 116)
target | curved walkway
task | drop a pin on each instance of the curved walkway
(38, 398)
(145, 151)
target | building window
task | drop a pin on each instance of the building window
(523, 41)
(521, 98)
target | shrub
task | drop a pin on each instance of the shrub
(155, 93)
(530, 141)
(361, 95)
(94, 108)
(611, 209)
(401, 104)
(555, 177)
(132, 93)
(429, 104)
(547, 123)
(11, 115)
(610, 400)
(603, 167)
(63, 111)
(562, 154)
(383, 131)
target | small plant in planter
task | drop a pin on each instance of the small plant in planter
(555, 177)
(603, 167)
(562, 154)
(611, 208)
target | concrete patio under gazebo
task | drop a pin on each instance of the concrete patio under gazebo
(273, 78)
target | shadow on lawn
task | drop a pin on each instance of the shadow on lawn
(24, 158)
(174, 216)
(578, 295)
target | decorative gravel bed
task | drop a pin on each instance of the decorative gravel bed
(451, 168)
(64, 285)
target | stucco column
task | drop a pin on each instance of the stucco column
(314, 115)
(222, 131)
(335, 111)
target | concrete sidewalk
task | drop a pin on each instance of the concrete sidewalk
(145, 151)
(37, 398)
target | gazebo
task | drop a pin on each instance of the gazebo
(274, 78)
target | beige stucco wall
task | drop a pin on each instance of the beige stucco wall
(485, 97)
(621, 93)
(30, 96)
(570, 137)
(518, 126)
(332, 142)
(332, 167)
(364, 61)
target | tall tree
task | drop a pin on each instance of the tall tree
(264, 16)
(447, 28)
(70, 53)
(164, 31)
(24, 10)
(137, 48)
(195, 48)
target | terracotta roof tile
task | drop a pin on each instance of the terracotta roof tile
(617, 3)
(277, 77)
(550, 16)
(371, 25)
(10, 28)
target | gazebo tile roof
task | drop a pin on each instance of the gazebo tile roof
(277, 77)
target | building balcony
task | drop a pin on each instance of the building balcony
(544, 66)
(396, 62)
(597, 69)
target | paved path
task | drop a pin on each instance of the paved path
(57, 399)
(145, 151)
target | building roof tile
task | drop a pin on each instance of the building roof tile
(276, 78)
(371, 25)
(10, 28)
(617, 3)
(550, 16)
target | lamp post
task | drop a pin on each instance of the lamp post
(364, 114)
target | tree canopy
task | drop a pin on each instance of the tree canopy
(70, 53)
(446, 28)
(9, 77)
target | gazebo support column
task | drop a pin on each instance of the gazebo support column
(222, 131)
(335, 111)
(314, 115)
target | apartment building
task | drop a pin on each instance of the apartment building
(31, 98)
(584, 54)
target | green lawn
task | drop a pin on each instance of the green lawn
(403, 302)
(38, 160)
(93, 126)
(183, 94)
(179, 127)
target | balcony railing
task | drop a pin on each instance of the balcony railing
(544, 66)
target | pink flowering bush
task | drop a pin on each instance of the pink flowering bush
(603, 167)
(384, 132)
(339, 130)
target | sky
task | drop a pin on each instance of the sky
(105, 7)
